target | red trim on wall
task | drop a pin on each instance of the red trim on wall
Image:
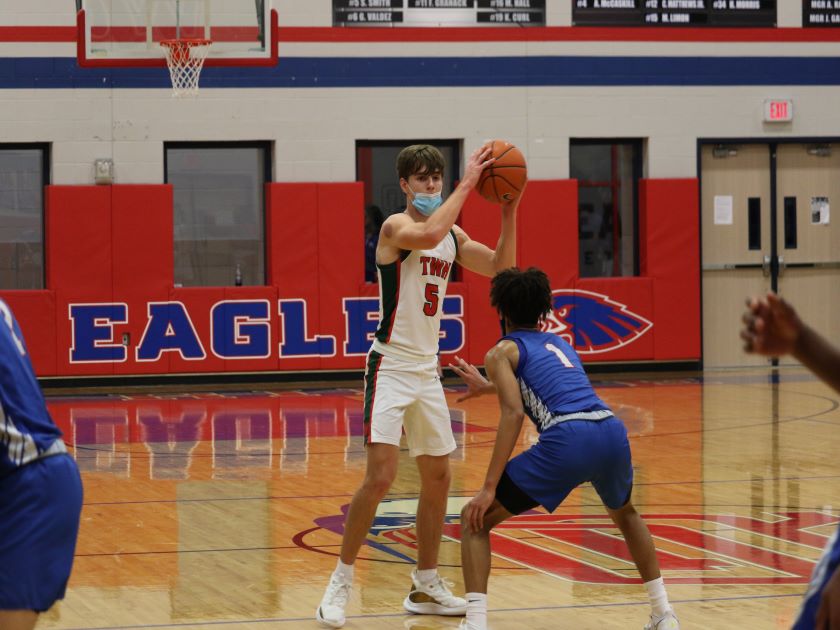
(291, 34)
(554, 34)
(37, 33)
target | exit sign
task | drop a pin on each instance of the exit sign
(778, 111)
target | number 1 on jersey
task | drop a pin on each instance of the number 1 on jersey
(560, 355)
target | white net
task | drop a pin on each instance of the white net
(185, 58)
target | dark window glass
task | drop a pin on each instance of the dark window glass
(754, 223)
(376, 166)
(219, 212)
(790, 223)
(608, 174)
(23, 175)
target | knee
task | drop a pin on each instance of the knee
(440, 477)
(378, 484)
(468, 532)
(624, 516)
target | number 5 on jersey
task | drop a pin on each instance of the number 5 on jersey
(430, 307)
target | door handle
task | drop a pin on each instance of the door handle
(781, 265)
(765, 266)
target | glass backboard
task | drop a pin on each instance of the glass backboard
(129, 32)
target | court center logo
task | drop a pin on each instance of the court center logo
(592, 322)
(777, 549)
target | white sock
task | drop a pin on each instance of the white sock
(344, 571)
(476, 611)
(424, 576)
(658, 597)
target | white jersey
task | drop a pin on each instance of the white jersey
(411, 292)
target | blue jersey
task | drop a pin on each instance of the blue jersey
(27, 432)
(552, 381)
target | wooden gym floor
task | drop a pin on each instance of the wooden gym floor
(224, 510)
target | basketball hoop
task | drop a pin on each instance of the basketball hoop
(185, 58)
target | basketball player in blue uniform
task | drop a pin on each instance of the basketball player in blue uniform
(540, 374)
(772, 328)
(40, 491)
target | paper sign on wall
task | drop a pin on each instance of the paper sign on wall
(820, 211)
(723, 209)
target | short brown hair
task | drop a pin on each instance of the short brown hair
(419, 158)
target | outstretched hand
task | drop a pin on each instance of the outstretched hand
(509, 205)
(477, 162)
(771, 326)
(476, 384)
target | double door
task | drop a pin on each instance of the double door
(770, 218)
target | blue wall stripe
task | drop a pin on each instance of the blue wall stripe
(314, 72)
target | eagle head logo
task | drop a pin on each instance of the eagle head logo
(592, 322)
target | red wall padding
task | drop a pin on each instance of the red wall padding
(670, 256)
(35, 313)
(114, 244)
(637, 295)
(78, 245)
(78, 240)
(293, 251)
(341, 261)
(142, 261)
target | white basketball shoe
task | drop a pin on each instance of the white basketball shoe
(330, 613)
(668, 621)
(433, 598)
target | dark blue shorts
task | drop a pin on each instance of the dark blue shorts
(40, 506)
(827, 565)
(571, 453)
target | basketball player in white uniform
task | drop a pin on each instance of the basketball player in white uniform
(415, 255)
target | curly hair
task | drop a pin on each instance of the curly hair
(419, 159)
(523, 297)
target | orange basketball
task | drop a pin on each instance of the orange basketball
(505, 178)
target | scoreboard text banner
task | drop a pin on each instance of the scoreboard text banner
(696, 13)
(439, 13)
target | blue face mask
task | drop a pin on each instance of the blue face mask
(426, 203)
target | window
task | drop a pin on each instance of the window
(24, 171)
(376, 166)
(219, 211)
(608, 173)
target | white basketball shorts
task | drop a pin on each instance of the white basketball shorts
(401, 394)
